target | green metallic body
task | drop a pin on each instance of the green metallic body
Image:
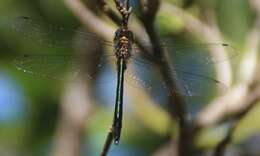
(117, 123)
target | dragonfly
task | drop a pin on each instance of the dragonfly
(127, 55)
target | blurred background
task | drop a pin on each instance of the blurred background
(41, 115)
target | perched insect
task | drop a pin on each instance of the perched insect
(192, 64)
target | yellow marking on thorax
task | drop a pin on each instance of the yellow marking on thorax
(123, 40)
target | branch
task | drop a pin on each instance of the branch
(252, 100)
(125, 10)
(238, 102)
(253, 97)
(223, 70)
(109, 12)
(208, 34)
(149, 11)
(221, 147)
(178, 110)
(235, 100)
(89, 20)
(170, 149)
(108, 142)
(75, 108)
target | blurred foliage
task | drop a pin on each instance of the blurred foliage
(32, 133)
(238, 16)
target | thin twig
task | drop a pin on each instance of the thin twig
(178, 110)
(108, 142)
(251, 100)
(239, 106)
(109, 12)
(235, 100)
(149, 11)
(207, 33)
(116, 19)
(89, 20)
(221, 147)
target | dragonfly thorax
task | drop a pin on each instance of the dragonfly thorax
(123, 43)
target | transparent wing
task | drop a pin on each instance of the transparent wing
(56, 66)
(202, 53)
(192, 64)
(53, 36)
(190, 82)
(192, 67)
